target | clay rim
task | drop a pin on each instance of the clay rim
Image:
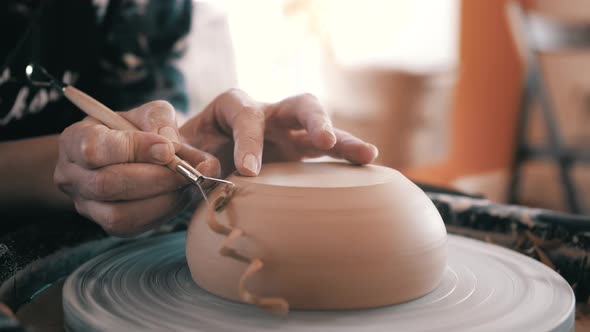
(365, 178)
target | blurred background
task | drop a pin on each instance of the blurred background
(487, 97)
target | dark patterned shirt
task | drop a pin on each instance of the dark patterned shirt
(119, 51)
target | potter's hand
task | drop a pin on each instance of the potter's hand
(117, 178)
(236, 129)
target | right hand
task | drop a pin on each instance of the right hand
(119, 178)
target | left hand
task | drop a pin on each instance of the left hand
(237, 130)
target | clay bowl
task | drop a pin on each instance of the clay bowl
(319, 236)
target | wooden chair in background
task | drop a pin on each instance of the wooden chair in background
(553, 41)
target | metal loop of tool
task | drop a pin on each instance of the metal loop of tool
(49, 82)
(276, 305)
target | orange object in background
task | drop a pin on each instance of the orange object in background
(486, 100)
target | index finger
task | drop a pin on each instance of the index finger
(246, 120)
(159, 117)
(92, 145)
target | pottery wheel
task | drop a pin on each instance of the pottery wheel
(147, 285)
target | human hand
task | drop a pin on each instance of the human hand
(242, 133)
(118, 178)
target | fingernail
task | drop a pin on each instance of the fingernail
(374, 149)
(161, 152)
(251, 163)
(170, 134)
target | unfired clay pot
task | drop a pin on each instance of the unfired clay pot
(318, 236)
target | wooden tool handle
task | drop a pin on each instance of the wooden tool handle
(99, 111)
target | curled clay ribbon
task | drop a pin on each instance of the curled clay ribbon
(276, 305)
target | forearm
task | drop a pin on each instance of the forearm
(26, 175)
